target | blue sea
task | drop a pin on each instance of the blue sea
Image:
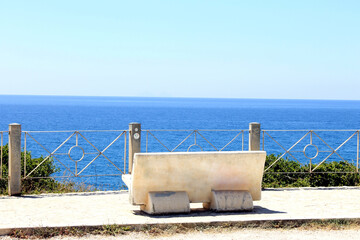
(51, 120)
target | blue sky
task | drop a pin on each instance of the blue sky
(216, 49)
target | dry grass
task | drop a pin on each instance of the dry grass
(171, 229)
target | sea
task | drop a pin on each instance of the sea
(85, 135)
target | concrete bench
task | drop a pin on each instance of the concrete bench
(222, 181)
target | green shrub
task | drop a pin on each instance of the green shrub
(289, 173)
(338, 175)
(45, 170)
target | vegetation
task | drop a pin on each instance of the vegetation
(39, 181)
(288, 173)
(158, 230)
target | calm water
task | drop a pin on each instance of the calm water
(50, 113)
(64, 113)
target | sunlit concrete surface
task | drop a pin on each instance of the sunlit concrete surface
(91, 209)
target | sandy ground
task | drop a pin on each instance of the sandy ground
(277, 234)
(107, 208)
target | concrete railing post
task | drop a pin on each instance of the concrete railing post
(254, 136)
(14, 159)
(134, 142)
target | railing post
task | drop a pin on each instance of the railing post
(14, 182)
(134, 142)
(254, 136)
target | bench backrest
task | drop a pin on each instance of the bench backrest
(197, 173)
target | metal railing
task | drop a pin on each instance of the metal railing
(313, 147)
(107, 153)
(186, 140)
(1, 153)
(76, 152)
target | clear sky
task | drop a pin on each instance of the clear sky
(296, 49)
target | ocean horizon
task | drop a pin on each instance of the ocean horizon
(100, 112)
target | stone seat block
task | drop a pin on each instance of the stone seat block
(166, 202)
(222, 201)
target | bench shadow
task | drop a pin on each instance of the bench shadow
(201, 212)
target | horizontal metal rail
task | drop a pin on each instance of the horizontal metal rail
(190, 130)
(79, 176)
(314, 130)
(311, 173)
(70, 131)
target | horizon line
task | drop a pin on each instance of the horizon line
(156, 97)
